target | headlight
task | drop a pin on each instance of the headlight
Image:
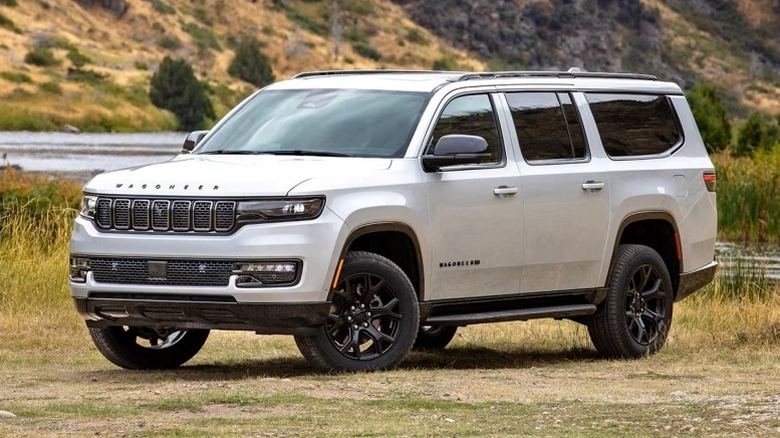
(88, 204)
(271, 210)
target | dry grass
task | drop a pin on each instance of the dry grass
(718, 374)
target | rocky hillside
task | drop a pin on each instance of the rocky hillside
(88, 62)
(733, 43)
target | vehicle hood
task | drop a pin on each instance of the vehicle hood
(229, 175)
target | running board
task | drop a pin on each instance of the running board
(564, 311)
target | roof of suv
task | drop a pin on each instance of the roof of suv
(428, 81)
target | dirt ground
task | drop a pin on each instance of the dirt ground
(513, 379)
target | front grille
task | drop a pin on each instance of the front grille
(178, 272)
(174, 215)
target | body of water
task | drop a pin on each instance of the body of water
(86, 153)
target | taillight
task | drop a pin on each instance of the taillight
(709, 180)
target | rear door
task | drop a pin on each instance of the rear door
(566, 197)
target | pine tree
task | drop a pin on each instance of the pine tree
(250, 64)
(175, 88)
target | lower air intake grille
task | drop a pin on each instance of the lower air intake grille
(176, 272)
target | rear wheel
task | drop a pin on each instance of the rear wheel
(434, 337)
(635, 318)
(144, 348)
(373, 320)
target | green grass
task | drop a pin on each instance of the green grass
(749, 196)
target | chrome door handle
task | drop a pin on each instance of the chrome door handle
(504, 191)
(592, 186)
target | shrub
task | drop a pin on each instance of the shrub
(367, 51)
(250, 64)
(446, 62)
(41, 56)
(10, 3)
(161, 7)
(52, 87)
(85, 76)
(77, 58)
(6, 23)
(710, 115)
(169, 43)
(416, 36)
(174, 87)
(17, 78)
(203, 37)
(756, 134)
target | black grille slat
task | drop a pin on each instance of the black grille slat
(141, 214)
(179, 272)
(103, 213)
(166, 215)
(201, 215)
(180, 215)
(161, 215)
(224, 215)
(122, 214)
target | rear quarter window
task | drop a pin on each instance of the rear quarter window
(635, 124)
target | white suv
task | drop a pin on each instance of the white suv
(370, 212)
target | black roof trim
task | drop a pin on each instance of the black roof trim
(457, 76)
(554, 74)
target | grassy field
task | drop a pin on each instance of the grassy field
(718, 375)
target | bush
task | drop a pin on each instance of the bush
(17, 78)
(367, 51)
(711, 117)
(446, 63)
(10, 3)
(169, 43)
(140, 65)
(250, 64)
(6, 23)
(174, 87)
(756, 134)
(41, 56)
(52, 87)
(77, 58)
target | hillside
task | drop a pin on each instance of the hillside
(105, 51)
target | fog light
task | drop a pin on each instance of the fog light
(79, 266)
(257, 274)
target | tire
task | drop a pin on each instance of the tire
(636, 316)
(434, 338)
(368, 328)
(143, 348)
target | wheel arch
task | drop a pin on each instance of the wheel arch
(395, 240)
(657, 230)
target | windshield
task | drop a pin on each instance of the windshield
(354, 123)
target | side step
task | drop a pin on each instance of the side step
(513, 315)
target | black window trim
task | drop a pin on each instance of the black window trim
(492, 96)
(665, 154)
(554, 161)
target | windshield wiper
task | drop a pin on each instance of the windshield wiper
(306, 152)
(229, 152)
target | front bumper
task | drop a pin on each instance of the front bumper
(316, 244)
(200, 312)
(694, 280)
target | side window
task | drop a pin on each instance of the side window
(634, 124)
(547, 125)
(470, 115)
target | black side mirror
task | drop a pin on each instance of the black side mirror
(192, 140)
(456, 149)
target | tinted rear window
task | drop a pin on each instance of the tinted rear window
(547, 125)
(634, 124)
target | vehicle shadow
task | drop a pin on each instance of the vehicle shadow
(462, 358)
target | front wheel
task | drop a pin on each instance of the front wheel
(144, 348)
(635, 318)
(373, 320)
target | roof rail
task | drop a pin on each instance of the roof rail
(308, 74)
(572, 73)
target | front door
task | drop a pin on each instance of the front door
(476, 210)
